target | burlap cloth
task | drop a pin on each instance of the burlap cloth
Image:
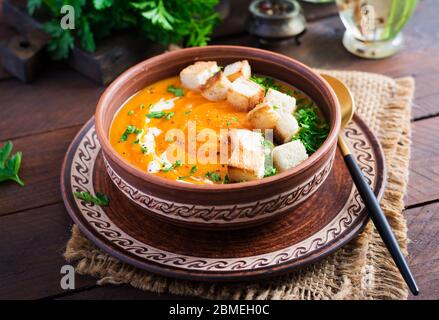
(362, 269)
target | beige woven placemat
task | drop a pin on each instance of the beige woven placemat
(360, 270)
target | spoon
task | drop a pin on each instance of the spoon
(346, 102)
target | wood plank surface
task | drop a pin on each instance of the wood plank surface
(423, 249)
(59, 98)
(424, 163)
(31, 245)
(41, 166)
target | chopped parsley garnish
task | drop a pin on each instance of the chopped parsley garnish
(214, 176)
(100, 199)
(194, 169)
(169, 115)
(270, 171)
(9, 167)
(131, 112)
(129, 130)
(187, 112)
(266, 82)
(136, 141)
(142, 106)
(160, 114)
(176, 164)
(144, 149)
(226, 179)
(313, 130)
(156, 114)
(178, 92)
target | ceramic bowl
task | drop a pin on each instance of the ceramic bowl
(229, 205)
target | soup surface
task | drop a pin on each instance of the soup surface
(144, 130)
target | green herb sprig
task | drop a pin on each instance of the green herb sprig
(100, 199)
(175, 165)
(185, 23)
(178, 92)
(129, 130)
(313, 130)
(10, 166)
(214, 176)
(266, 82)
(160, 114)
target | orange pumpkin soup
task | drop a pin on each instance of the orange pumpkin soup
(139, 130)
(144, 129)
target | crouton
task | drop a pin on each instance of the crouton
(244, 94)
(216, 87)
(286, 127)
(247, 158)
(263, 116)
(282, 101)
(197, 74)
(289, 155)
(238, 69)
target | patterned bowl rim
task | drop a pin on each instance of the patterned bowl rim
(273, 58)
(359, 221)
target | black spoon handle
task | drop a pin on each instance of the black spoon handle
(381, 223)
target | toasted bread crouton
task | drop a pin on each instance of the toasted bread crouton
(238, 69)
(281, 101)
(197, 74)
(216, 87)
(286, 128)
(289, 155)
(263, 116)
(244, 94)
(247, 158)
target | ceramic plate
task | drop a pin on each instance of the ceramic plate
(322, 224)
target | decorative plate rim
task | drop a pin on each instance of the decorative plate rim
(94, 222)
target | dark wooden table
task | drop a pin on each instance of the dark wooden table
(42, 118)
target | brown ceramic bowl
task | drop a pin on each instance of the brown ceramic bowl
(229, 205)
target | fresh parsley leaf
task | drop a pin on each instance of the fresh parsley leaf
(129, 130)
(33, 5)
(313, 130)
(144, 149)
(86, 37)
(185, 23)
(226, 179)
(160, 114)
(102, 4)
(214, 176)
(62, 40)
(9, 167)
(178, 92)
(194, 169)
(131, 112)
(176, 164)
(156, 114)
(100, 199)
(265, 82)
(169, 115)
